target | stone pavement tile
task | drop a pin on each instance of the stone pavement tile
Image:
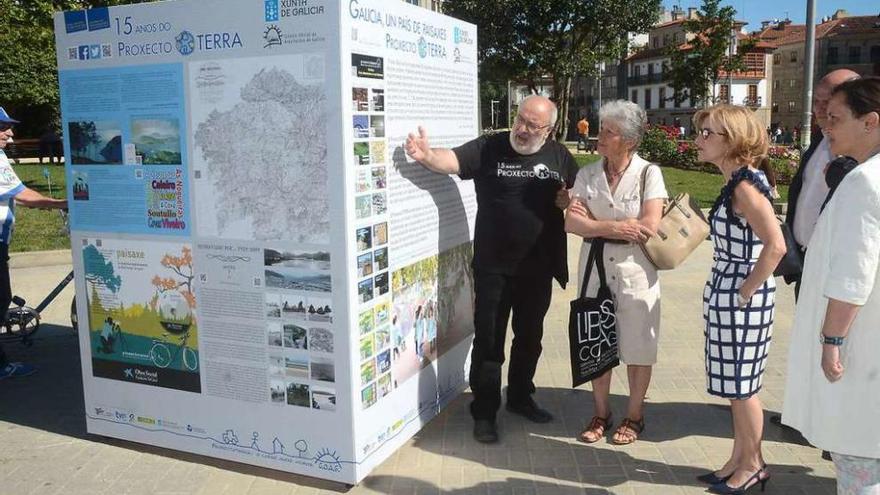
(265, 486)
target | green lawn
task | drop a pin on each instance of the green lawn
(38, 230)
(702, 187)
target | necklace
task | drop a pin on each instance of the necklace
(615, 175)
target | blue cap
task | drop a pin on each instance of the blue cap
(4, 117)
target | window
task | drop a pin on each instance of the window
(792, 82)
(724, 93)
(676, 103)
(665, 39)
(793, 56)
(831, 59)
(648, 99)
(655, 42)
(661, 98)
(638, 70)
(855, 54)
(635, 96)
(675, 37)
(753, 94)
(775, 107)
(776, 84)
(776, 58)
(650, 70)
(875, 54)
(791, 107)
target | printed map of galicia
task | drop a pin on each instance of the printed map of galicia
(266, 160)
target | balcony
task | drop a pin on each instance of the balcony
(754, 68)
(644, 79)
(752, 102)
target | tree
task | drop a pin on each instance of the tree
(181, 281)
(27, 57)
(99, 270)
(694, 71)
(533, 40)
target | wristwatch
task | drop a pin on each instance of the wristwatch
(824, 339)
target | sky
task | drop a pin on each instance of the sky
(755, 11)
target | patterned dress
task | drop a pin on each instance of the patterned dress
(737, 339)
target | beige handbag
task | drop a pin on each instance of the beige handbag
(682, 228)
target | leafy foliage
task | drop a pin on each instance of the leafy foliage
(694, 71)
(531, 40)
(27, 57)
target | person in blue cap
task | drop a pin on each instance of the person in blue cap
(12, 191)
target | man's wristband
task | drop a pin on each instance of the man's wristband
(826, 340)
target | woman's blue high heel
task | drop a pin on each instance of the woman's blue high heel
(725, 489)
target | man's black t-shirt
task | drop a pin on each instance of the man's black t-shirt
(519, 229)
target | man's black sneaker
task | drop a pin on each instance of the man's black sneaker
(485, 431)
(530, 411)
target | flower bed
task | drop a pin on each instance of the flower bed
(661, 145)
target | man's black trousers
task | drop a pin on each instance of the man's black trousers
(5, 291)
(497, 296)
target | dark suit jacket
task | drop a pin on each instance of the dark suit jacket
(794, 190)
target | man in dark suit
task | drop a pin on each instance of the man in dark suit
(808, 190)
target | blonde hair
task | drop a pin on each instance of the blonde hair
(745, 135)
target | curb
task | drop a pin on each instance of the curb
(35, 259)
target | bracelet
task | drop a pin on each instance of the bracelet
(826, 340)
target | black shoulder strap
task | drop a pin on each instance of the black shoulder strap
(597, 258)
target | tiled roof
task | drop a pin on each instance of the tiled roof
(795, 33)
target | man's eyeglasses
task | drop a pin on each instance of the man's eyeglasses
(529, 127)
(5, 126)
(705, 133)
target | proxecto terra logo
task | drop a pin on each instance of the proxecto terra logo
(541, 171)
(185, 43)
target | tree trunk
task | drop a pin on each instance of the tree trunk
(562, 92)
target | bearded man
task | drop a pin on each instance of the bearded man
(520, 179)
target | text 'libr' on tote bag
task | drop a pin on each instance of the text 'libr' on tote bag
(592, 325)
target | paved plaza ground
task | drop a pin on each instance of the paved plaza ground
(44, 448)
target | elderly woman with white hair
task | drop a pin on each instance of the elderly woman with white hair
(620, 199)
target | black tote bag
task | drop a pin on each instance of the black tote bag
(592, 325)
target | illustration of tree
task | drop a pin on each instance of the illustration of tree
(99, 270)
(302, 447)
(180, 281)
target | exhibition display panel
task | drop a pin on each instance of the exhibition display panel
(262, 274)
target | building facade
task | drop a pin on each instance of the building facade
(842, 41)
(648, 83)
(435, 5)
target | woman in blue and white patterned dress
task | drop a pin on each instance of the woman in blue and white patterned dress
(738, 300)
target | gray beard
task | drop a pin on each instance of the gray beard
(528, 149)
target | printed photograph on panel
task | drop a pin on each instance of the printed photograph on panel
(141, 310)
(80, 186)
(298, 270)
(156, 141)
(298, 394)
(95, 142)
(360, 100)
(260, 138)
(323, 398)
(321, 340)
(432, 309)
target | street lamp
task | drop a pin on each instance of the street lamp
(601, 67)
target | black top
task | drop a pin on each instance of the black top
(519, 229)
